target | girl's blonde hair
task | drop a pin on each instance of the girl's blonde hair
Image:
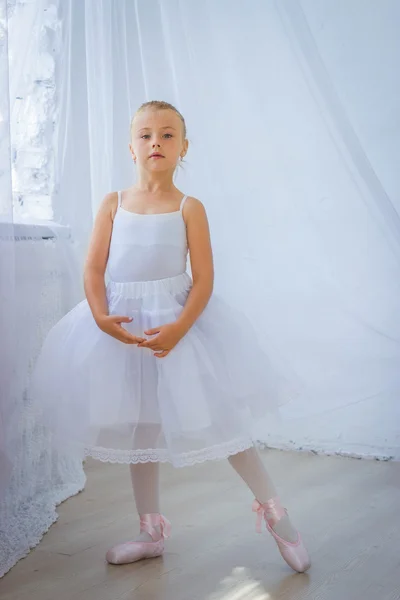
(160, 105)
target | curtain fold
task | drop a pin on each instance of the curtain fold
(7, 265)
(323, 90)
(305, 231)
(38, 285)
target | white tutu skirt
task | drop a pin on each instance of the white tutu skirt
(121, 404)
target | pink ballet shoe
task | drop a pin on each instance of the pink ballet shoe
(295, 554)
(130, 552)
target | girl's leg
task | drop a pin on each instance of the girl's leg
(250, 467)
(145, 476)
(149, 542)
(145, 484)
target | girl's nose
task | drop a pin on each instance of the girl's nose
(156, 144)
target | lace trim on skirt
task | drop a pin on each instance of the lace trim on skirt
(217, 452)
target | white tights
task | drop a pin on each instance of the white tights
(248, 464)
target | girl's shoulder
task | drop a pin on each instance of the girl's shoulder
(194, 213)
(110, 198)
(193, 204)
(110, 204)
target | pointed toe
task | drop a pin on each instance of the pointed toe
(293, 553)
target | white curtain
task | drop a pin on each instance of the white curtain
(292, 116)
(38, 284)
(7, 261)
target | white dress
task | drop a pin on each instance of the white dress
(121, 404)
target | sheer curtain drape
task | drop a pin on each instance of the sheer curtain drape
(296, 175)
(7, 263)
(38, 284)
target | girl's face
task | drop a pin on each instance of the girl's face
(157, 140)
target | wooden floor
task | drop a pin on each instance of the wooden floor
(348, 511)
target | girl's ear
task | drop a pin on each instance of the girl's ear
(184, 149)
(132, 152)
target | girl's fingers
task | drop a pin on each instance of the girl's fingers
(119, 319)
(161, 354)
(152, 331)
(136, 340)
(126, 337)
(153, 345)
(150, 343)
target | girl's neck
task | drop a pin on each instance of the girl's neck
(154, 183)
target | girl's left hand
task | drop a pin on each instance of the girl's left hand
(166, 338)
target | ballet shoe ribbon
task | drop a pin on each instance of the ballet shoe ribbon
(260, 511)
(272, 511)
(149, 522)
(165, 527)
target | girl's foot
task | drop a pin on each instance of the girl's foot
(292, 551)
(154, 528)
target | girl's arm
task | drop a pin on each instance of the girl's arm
(96, 261)
(95, 268)
(201, 260)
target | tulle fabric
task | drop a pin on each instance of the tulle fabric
(121, 404)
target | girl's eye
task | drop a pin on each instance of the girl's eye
(147, 136)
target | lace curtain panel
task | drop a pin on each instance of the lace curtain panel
(37, 286)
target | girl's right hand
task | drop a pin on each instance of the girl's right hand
(111, 324)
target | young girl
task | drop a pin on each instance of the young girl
(157, 368)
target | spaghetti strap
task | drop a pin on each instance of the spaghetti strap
(183, 203)
(119, 198)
